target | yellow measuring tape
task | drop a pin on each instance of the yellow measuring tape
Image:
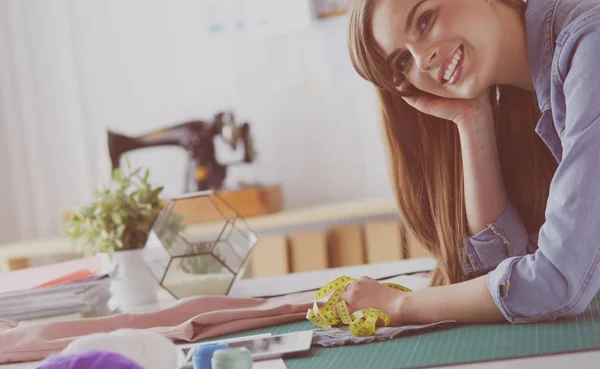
(362, 322)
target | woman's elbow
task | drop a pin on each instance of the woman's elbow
(576, 301)
(579, 308)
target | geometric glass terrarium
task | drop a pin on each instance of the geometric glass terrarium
(198, 245)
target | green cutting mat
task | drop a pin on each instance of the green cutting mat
(455, 345)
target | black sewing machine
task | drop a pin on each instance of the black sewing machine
(197, 138)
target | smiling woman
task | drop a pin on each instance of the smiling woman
(461, 85)
(426, 157)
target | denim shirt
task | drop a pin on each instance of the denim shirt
(556, 273)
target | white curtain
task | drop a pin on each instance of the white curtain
(46, 162)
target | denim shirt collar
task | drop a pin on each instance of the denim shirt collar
(540, 47)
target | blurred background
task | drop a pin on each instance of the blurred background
(75, 73)
(71, 70)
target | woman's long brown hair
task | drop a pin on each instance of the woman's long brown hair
(424, 155)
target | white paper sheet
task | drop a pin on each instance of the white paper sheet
(27, 279)
(308, 281)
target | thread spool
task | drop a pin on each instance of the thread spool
(232, 358)
(204, 353)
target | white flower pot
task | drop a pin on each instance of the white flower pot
(132, 286)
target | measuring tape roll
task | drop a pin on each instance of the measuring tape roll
(362, 322)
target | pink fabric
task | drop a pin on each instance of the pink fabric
(189, 320)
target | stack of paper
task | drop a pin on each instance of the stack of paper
(75, 287)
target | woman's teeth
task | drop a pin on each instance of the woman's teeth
(453, 64)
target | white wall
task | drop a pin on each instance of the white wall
(134, 66)
(45, 165)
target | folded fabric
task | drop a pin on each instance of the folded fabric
(343, 337)
(189, 320)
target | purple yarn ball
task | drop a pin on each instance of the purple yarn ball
(93, 359)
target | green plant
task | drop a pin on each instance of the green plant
(193, 262)
(202, 264)
(119, 217)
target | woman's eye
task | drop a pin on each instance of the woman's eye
(424, 20)
(422, 23)
(403, 61)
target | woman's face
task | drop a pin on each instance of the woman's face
(449, 48)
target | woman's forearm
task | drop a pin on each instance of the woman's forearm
(485, 199)
(467, 303)
(485, 194)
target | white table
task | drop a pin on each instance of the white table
(310, 280)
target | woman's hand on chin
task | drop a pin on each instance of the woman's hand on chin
(465, 113)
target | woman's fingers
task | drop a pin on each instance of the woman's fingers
(367, 293)
(437, 106)
(459, 111)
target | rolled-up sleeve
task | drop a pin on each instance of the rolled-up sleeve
(562, 277)
(501, 239)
